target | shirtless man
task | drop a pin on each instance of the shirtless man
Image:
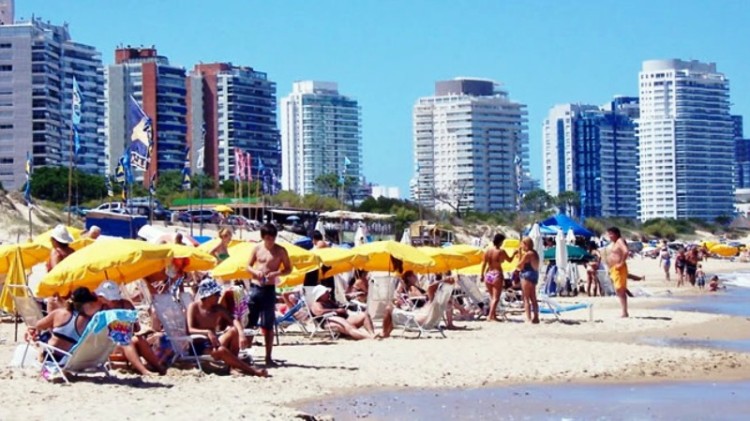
(204, 315)
(318, 241)
(265, 266)
(492, 273)
(618, 268)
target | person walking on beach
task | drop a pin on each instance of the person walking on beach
(691, 265)
(665, 260)
(492, 273)
(592, 269)
(265, 266)
(618, 268)
(528, 269)
(679, 266)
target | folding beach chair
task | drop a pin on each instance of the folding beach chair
(469, 288)
(106, 330)
(283, 321)
(172, 317)
(435, 313)
(380, 294)
(549, 306)
(319, 323)
(30, 313)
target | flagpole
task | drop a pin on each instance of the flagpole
(70, 173)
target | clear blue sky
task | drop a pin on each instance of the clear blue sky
(387, 53)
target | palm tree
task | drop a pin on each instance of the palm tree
(568, 202)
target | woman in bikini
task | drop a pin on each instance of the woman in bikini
(66, 324)
(528, 269)
(358, 287)
(492, 272)
(409, 292)
(221, 251)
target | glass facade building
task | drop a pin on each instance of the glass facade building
(686, 141)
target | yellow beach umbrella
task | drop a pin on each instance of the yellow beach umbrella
(223, 209)
(44, 238)
(472, 254)
(121, 261)
(198, 259)
(339, 260)
(509, 246)
(235, 266)
(30, 254)
(723, 250)
(379, 256)
(210, 244)
(445, 259)
(15, 282)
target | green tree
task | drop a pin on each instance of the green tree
(51, 183)
(328, 184)
(537, 201)
(568, 202)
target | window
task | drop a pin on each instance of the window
(6, 68)
(6, 126)
(6, 45)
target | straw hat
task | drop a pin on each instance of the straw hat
(61, 234)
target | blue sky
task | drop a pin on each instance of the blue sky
(387, 53)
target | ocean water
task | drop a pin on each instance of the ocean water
(665, 401)
(718, 401)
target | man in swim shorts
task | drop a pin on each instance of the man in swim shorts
(618, 268)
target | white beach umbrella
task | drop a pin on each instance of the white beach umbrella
(536, 236)
(570, 238)
(360, 235)
(561, 258)
(406, 237)
(320, 228)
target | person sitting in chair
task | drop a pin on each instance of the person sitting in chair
(111, 299)
(396, 316)
(356, 325)
(66, 324)
(204, 316)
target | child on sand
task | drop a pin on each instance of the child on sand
(700, 277)
(713, 285)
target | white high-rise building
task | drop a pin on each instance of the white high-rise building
(470, 147)
(686, 141)
(320, 135)
(38, 62)
(557, 146)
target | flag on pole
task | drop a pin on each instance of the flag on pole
(261, 167)
(347, 162)
(200, 152)
(120, 171)
(249, 166)
(108, 185)
(27, 190)
(152, 185)
(140, 136)
(238, 164)
(77, 105)
(186, 184)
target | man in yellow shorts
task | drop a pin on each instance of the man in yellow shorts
(618, 268)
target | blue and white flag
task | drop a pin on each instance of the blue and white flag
(186, 184)
(120, 171)
(27, 190)
(261, 167)
(347, 162)
(140, 136)
(152, 185)
(77, 106)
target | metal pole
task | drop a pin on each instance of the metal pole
(30, 225)
(190, 208)
(200, 193)
(70, 173)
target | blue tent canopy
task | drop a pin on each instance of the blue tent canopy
(544, 230)
(564, 223)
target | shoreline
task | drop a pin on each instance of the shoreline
(485, 355)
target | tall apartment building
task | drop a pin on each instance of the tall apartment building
(593, 151)
(470, 147)
(741, 155)
(686, 141)
(160, 89)
(320, 134)
(38, 62)
(557, 146)
(236, 106)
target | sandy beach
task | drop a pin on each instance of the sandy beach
(485, 354)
